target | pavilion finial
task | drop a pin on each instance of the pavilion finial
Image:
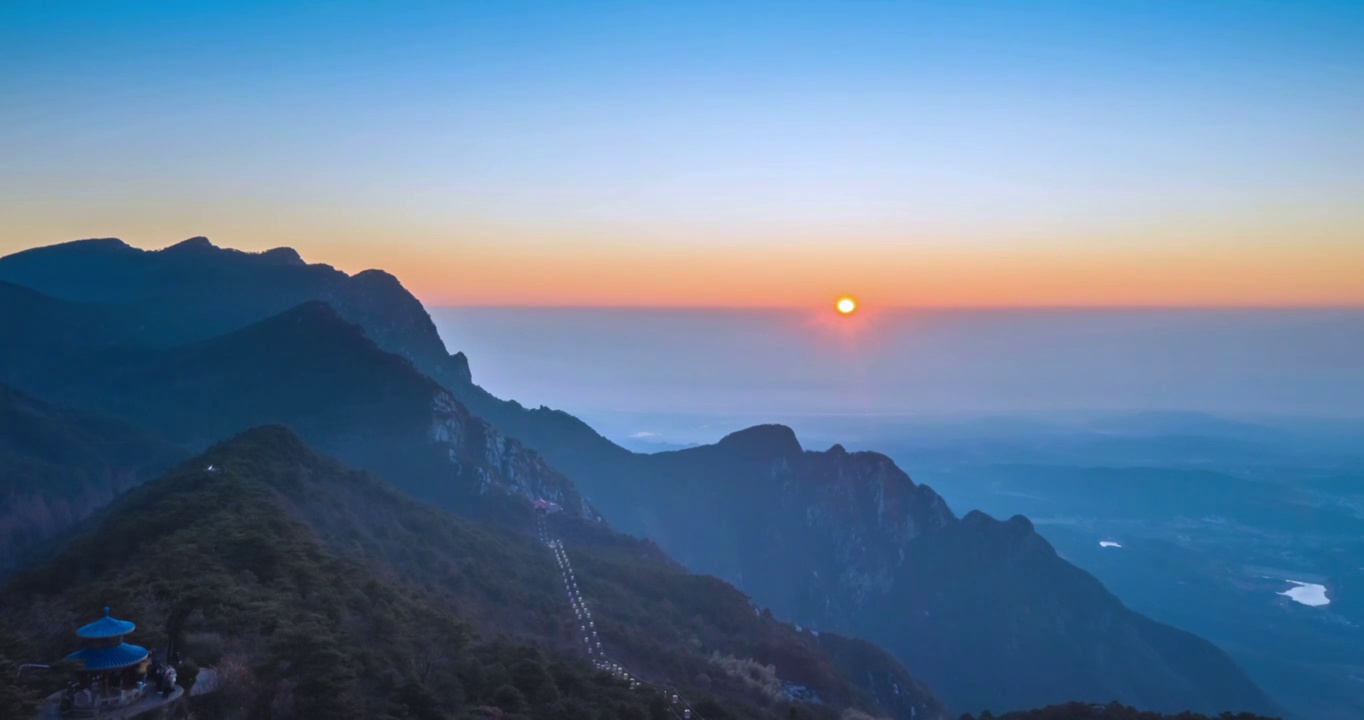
(106, 611)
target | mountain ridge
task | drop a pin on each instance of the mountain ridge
(331, 594)
(199, 280)
(825, 538)
(312, 369)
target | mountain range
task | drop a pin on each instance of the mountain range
(323, 592)
(196, 343)
(982, 609)
(306, 368)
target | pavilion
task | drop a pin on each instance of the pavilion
(112, 673)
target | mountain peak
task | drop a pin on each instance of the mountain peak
(99, 249)
(459, 363)
(378, 277)
(108, 242)
(196, 243)
(273, 434)
(311, 310)
(977, 517)
(273, 445)
(768, 439)
(310, 327)
(1018, 530)
(283, 256)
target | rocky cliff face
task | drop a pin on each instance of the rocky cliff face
(867, 509)
(503, 465)
(982, 609)
(827, 528)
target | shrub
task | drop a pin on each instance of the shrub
(205, 647)
(751, 673)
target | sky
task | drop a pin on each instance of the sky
(711, 154)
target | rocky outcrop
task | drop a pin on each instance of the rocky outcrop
(813, 534)
(503, 464)
(982, 609)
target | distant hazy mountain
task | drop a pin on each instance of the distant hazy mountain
(317, 591)
(194, 290)
(984, 609)
(306, 368)
(647, 445)
(1152, 494)
(57, 466)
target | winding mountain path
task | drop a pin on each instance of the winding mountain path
(587, 629)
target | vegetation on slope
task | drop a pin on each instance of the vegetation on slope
(57, 466)
(319, 592)
(1111, 711)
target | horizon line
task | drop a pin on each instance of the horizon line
(1247, 307)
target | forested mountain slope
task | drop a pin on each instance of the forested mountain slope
(320, 592)
(57, 466)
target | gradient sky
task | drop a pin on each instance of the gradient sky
(713, 154)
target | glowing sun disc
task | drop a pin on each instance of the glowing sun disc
(845, 306)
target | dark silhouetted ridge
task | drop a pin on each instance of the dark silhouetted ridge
(311, 369)
(283, 256)
(197, 244)
(770, 440)
(312, 318)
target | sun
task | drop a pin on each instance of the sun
(846, 305)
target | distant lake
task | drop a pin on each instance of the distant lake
(1307, 593)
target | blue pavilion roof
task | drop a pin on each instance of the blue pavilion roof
(109, 658)
(106, 627)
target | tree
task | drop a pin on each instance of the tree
(510, 699)
(17, 699)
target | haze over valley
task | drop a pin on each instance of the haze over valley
(1207, 465)
(918, 362)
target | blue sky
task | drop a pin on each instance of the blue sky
(688, 139)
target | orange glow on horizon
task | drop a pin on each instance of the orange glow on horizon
(1271, 277)
(1317, 266)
